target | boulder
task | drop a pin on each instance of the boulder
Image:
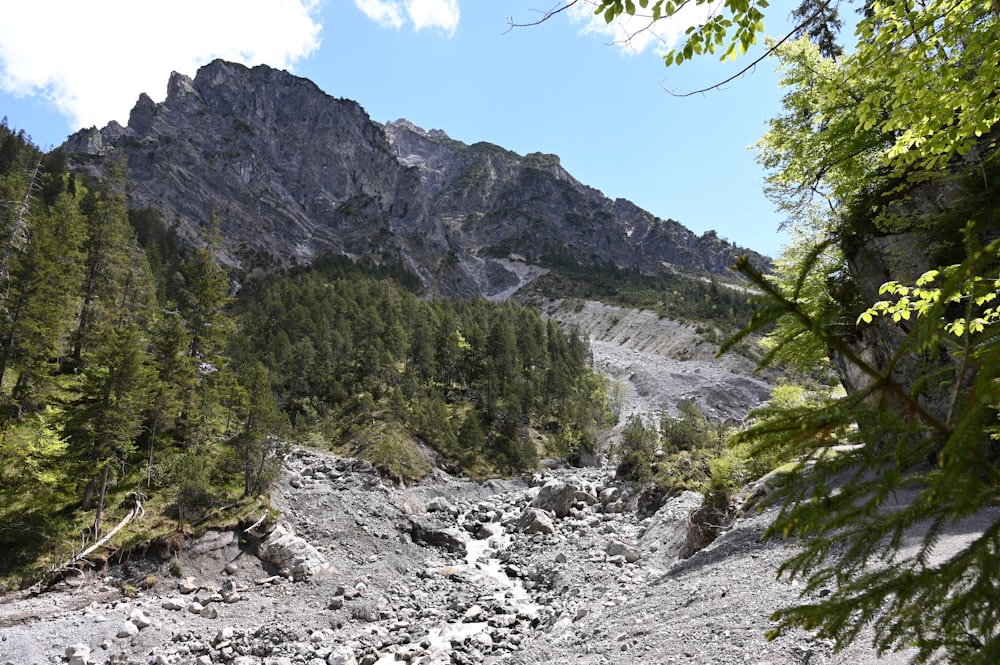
(616, 548)
(294, 556)
(666, 536)
(341, 655)
(534, 520)
(128, 630)
(556, 497)
(424, 529)
(140, 618)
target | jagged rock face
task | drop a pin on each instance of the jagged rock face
(291, 172)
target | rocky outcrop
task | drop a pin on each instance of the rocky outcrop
(912, 230)
(293, 556)
(292, 172)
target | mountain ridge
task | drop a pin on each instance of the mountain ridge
(293, 172)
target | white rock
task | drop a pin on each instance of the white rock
(128, 630)
(616, 548)
(195, 608)
(224, 635)
(341, 655)
(534, 520)
(78, 654)
(140, 618)
(172, 604)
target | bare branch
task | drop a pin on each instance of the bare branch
(546, 15)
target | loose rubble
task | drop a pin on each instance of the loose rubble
(558, 567)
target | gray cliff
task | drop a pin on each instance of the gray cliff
(292, 172)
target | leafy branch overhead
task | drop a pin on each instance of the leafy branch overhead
(934, 103)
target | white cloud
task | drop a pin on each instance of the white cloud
(442, 14)
(386, 13)
(434, 14)
(634, 34)
(92, 59)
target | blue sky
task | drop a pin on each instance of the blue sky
(563, 87)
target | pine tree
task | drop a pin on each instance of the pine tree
(103, 424)
(175, 379)
(257, 445)
(43, 280)
(203, 296)
(109, 247)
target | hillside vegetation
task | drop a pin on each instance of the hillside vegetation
(135, 380)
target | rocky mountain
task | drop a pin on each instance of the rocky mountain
(292, 172)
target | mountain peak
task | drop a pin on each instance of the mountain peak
(292, 171)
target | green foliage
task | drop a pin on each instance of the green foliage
(912, 458)
(689, 432)
(960, 288)
(692, 298)
(906, 114)
(637, 450)
(373, 368)
(929, 101)
(257, 447)
(189, 477)
(688, 453)
(105, 383)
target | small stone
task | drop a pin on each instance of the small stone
(140, 618)
(628, 552)
(128, 630)
(78, 654)
(195, 608)
(225, 634)
(172, 604)
(209, 612)
(341, 655)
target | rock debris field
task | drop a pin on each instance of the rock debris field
(556, 568)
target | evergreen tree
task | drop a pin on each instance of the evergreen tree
(202, 297)
(203, 294)
(176, 378)
(42, 280)
(102, 425)
(109, 247)
(256, 445)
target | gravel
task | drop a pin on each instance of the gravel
(444, 572)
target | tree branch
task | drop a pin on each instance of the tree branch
(794, 31)
(546, 15)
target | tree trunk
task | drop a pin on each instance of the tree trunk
(99, 517)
